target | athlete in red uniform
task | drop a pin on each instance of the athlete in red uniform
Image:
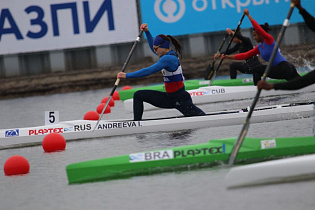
(242, 44)
(307, 79)
(280, 69)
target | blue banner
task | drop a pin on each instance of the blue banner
(181, 17)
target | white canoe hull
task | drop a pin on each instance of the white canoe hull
(272, 172)
(82, 129)
(212, 94)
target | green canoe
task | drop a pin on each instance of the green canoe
(194, 84)
(188, 157)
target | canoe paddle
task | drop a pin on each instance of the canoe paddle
(210, 68)
(118, 80)
(230, 42)
(243, 133)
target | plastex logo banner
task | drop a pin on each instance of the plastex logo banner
(180, 17)
(35, 25)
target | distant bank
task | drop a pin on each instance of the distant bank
(73, 81)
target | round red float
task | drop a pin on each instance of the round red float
(100, 108)
(16, 165)
(126, 87)
(111, 102)
(53, 142)
(91, 115)
(116, 95)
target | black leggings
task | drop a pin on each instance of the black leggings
(180, 100)
(242, 67)
(283, 70)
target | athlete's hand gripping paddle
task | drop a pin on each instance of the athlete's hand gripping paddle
(118, 80)
(210, 68)
(230, 42)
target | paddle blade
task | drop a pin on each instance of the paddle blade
(209, 71)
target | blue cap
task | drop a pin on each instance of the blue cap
(158, 41)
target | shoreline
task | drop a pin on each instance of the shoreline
(74, 81)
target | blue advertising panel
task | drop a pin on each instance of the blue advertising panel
(180, 17)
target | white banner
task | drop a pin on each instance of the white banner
(35, 25)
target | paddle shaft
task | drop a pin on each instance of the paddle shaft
(243, 133)
(118, 80)
(209, 76)
(222, 43)
(230, 42)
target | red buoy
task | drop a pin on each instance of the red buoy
(100, 108)
(91, 115)
(126, 87)
(16, 165)
(111, 102)
(53, 142)
(116, 95)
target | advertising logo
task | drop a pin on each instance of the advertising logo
(11, 133)
(136, 157)
(200, 5)
(182, 17)
(69, 129)
(49, 25)
(268, 144)
(169, 11)
(199, 152)
(37, 132)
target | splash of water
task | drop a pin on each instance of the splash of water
(304, 65)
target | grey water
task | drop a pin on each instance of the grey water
(46, 186)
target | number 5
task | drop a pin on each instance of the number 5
(52, 117)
